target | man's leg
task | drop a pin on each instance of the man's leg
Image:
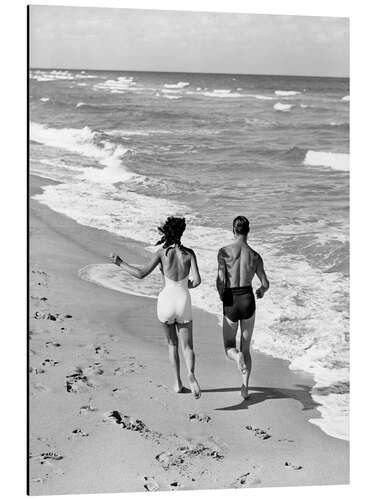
(172, 339)
(229, 337)
(247, 328)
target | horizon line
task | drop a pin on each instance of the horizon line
(184, 72)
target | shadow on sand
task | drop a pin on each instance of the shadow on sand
(303, 395)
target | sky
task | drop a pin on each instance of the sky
(191, 42)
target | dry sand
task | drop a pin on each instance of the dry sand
(103, 417)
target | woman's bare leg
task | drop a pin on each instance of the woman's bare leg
(174, 358)
(247, 328)
(229, 337)
(185, 333)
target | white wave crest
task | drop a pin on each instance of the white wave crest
(121, 84)
(279, 106)
(44, 99)
(286, 93)
(175, 97)
(80, 104)
(346, 98)
(52, 75)
(179, 85)
(88, 143)
(337, 161)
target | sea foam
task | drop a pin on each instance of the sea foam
(179, 85)
(286, 93)
(337, 161)
(279, 106)
(89, 143)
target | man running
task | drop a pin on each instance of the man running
(237, 265)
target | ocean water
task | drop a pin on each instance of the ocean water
(131, 148)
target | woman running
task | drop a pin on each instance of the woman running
(175, 262)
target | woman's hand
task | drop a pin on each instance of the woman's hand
(260, 292)
(116, 259)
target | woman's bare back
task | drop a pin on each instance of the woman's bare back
(175, 262)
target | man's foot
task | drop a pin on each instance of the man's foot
(180, 389)
(241, 363)
(244, 392)
(195, 389)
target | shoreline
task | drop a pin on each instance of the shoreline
(281, 403)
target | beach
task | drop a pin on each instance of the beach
(103, 416)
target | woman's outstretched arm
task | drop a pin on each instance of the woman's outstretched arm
(137, 272)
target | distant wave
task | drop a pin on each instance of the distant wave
(337, 161)
(261, 97)
(346, 98)
(88, 143)
(279, 106)
(286, 93)
(179, 85)
(145, 132)
(121, 84)
(172, 96)
(79, 104)
(44, 99)
(52, 75)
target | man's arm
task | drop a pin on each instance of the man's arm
(221, 273)
(261, 273)
(137, 272)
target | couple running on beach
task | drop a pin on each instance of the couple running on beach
(237, 265)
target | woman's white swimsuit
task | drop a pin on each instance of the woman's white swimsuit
(174, 302)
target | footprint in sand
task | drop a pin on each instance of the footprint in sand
(199, 417)
(38, 271)
(78, 434)
(258, 432)
(131, 424)
(291, 466)
(95, 369)
(78, 382)
(184, 455)
(48, 456)
(36, 371)
(246, 480)
(175, 484)
(118, 390)
(49, 362)
(87, 409)
(150, 484)
(52, 344)
(100, 350)
(47, 316)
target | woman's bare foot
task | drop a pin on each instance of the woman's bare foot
(241, 363)
(244, 392)
(178, 387)
(195, 389)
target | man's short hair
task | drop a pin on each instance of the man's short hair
(241, 225)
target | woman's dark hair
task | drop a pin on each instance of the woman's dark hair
(241, 225)
(172, 230)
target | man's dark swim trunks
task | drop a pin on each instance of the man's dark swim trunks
(238, 303)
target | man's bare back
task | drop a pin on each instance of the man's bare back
(237, 265)
(240, 263)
